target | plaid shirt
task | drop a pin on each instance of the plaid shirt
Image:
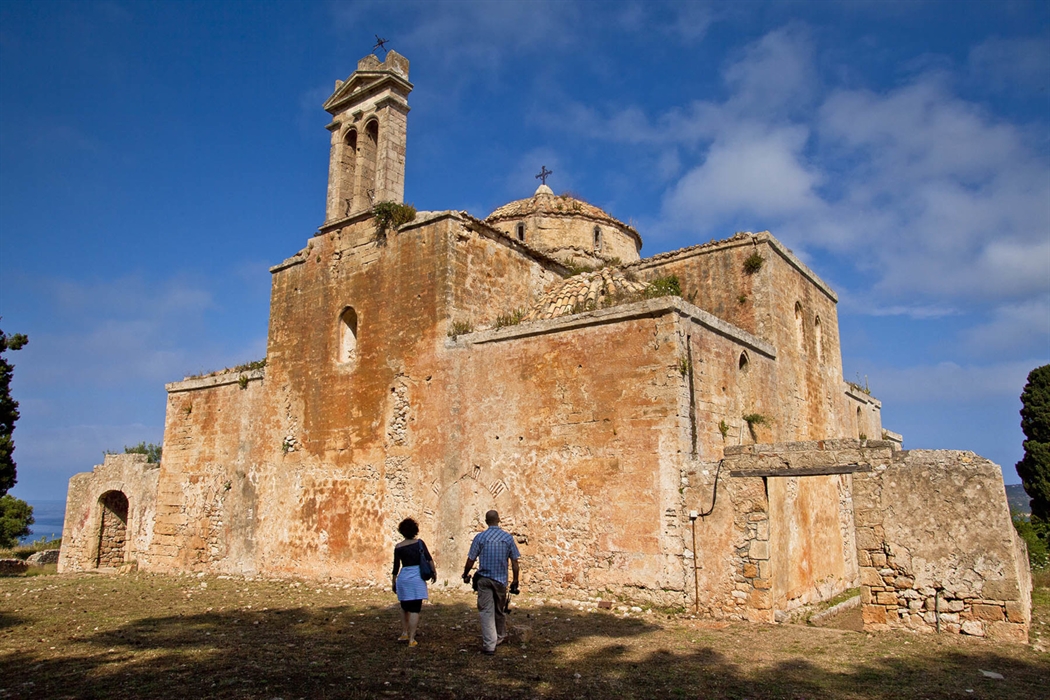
(491, 549)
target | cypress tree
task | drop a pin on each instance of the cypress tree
(1034, 467)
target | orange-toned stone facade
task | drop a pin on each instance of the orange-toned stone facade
(457, 364)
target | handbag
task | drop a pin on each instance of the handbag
(426, 571)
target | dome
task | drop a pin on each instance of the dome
(544, 202)
(568, 229)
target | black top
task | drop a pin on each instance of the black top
(407, 554)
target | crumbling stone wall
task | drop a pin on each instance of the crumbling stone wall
(94, 533)
(937, 548)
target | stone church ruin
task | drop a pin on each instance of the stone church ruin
(609, 406)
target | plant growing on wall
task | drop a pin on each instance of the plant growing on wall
(664, 287)
(723, 428)
(458, 328)
(756, 419)
(389, 216)
(684, 366)
(511, 319)
(753, 263)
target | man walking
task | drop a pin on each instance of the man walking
(491, 549)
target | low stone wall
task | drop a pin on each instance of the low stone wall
(937, 549)
(9, 567)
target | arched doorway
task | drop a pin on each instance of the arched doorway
(113, 532)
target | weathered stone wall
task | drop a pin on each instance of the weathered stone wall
(791, 532)
(87, 518)
(789, 307)
(492, 275)
(215, 428)
(937, 548)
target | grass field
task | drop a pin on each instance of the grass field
(154, 636)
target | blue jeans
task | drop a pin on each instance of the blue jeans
(492, 601)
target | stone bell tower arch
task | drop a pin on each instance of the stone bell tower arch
(369, 121)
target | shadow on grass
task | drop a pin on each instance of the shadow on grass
(351, 652)
(9, 620)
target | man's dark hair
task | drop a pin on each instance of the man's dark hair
(492, 518)
(408, 528)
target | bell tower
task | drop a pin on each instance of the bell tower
(369, 120)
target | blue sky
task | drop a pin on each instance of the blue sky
(156, 158)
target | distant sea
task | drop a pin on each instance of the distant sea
(48, 516)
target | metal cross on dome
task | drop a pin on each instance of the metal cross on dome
(544, 174)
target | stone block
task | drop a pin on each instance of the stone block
(750, 570)
(886, 598)
(759, 549)
(878, 559)
(973, 628)
(903, 582)
(988, 613)
(1005, 589)
(760, 600)
(763, 583)
(870, 577)
(1006, 632)
(864, 558)
(866, 539)
(874, 615)
(1014, 612)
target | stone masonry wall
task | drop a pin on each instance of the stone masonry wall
(937, 548)
(87, 517)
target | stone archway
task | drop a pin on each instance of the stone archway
(113, 531)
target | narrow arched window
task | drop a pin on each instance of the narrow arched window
(597, 238)
(860, 429)
(818, 338)
(347, 352)
(521, 233)
(372, 131)
(744, 362)
(800, 330)
(351, 139)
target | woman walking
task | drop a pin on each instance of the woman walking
(410, 557)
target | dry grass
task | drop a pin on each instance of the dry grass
(154, 636)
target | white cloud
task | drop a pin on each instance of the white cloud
(1018, 63)
(760, 174)
(951, 382)
(1015, 329)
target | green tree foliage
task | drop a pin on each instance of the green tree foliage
(8, 411)
(151, 451)
(1034, 467)
(15, 515)
(15, 518)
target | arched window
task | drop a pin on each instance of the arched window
(818, 338)
(744, 362)
(800, 330)
(860, 429)
(113, 529)
(521, 232)
(597, 238)
(367, 155)
(351, 140)
(347, 336)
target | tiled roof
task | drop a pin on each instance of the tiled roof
(584, 292)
